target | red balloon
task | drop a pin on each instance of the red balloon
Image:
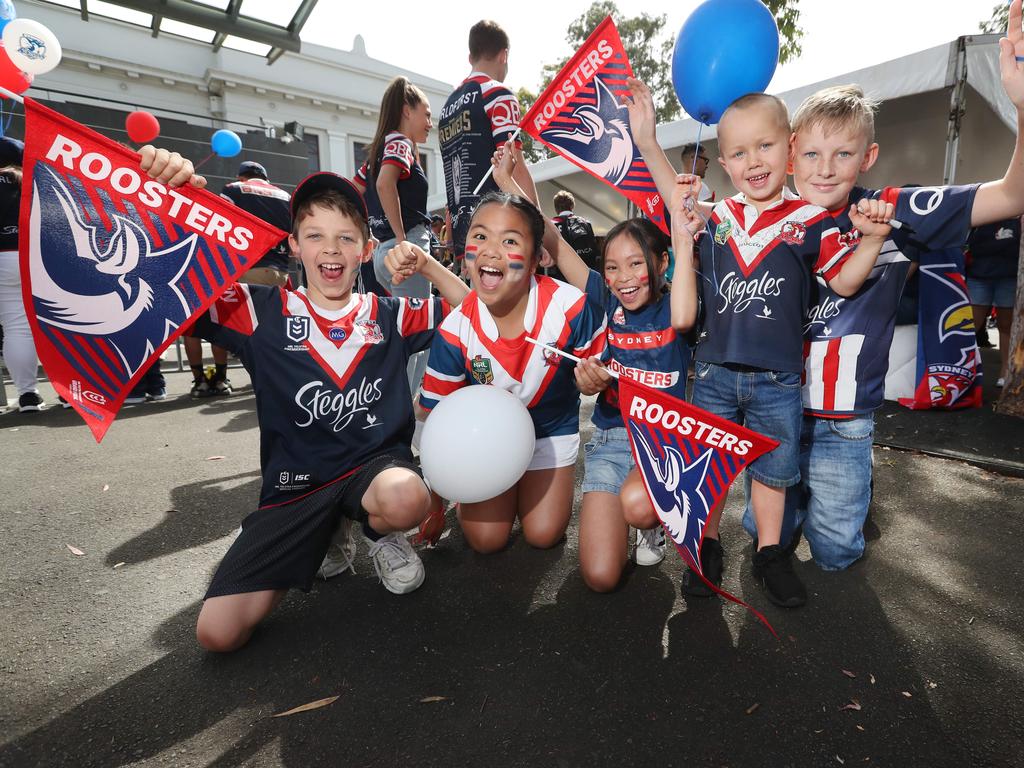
(12, 78)
(142, 127)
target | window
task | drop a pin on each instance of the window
(359, 154)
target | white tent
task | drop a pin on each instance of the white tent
(944, 118)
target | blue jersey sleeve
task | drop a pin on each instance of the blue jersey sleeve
(935, 217)
(446, 369)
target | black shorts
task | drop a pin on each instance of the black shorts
(282, 547)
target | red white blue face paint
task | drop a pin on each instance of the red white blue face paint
(470, 253)
(516, 261)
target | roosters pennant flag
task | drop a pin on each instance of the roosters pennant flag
(687, 458)
(114, 263)
(581, 117)
(948, 360)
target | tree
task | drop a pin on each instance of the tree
(648, 45)
(999, 20)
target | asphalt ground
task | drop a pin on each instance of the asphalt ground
(913, 657)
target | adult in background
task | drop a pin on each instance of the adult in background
(19, 350)
(395, 188)
(477, 119)
(575, 230)
(253, 193)
(695, 160)
(993, 254)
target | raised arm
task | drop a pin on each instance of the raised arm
(686, 223)
(1004, 199)
(643, 125)
(871, 218)
(406, 259)
(572, 267)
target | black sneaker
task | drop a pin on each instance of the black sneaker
(794, 542)
(773, 567)
(712, 563)
(30, 402)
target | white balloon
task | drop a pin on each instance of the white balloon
(476, 443)
(32, 47)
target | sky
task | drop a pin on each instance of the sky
(429, 38)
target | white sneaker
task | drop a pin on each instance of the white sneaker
(650, 546)
(399, 568)
(341, 553)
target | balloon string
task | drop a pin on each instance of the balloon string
(202, 162)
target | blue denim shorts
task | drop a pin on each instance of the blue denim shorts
(608, 460)
(992, 291)
(767, 402)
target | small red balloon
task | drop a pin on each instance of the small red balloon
(12, 78)
(142, 127)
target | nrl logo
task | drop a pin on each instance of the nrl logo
(481, 368)
(722, 232)
(601, 140)
(297, 329)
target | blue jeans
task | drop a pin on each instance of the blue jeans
(831, 501)
(764, 401)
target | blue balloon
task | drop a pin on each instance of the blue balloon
(724, 50)
(225, 143)
(7, 11)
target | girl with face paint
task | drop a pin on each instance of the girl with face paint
(483, 343)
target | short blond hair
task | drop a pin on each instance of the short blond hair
(774, 103)
(836, 108)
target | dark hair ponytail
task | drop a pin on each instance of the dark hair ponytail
(400, 93)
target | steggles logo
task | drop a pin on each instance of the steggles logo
(738, 294)
(321, 403)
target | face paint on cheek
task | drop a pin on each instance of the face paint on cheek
(516, 261)
(470, 253)
(644, 279)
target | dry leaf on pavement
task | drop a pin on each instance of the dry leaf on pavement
(848, 673)
(853, 704)
(75, 551)
(430, 699)
(306, 707)
(218, 458)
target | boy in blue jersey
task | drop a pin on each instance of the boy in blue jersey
(848, 338)
(758, 259)
(334, 408)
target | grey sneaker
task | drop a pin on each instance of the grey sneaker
(341, 553)
(650, 546)
(399, 568)
(220, 387)
(201, 389)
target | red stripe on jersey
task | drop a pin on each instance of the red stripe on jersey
(442, 387)
(891, 195)
(644, 340)
(831, 247)
(773, 216)
(415, 320)
(234, 310)
(455, 341)
(830, 374)
(403, 167)
(340, 380)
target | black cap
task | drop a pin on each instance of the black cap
(252, 169)
(324, 181)
(435, 219)
(11, 151)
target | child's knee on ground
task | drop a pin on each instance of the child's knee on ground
(396, 500)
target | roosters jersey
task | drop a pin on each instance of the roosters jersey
(478, 118)
(331, 388)
(756, 280)
(263, 200)
(412, 187)
(578, 233)
(847, 340)
(642, 346)
(467, 350)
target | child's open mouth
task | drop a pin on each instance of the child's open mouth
(758, 181)
(490, 278)
(628, 295)
(331, 272)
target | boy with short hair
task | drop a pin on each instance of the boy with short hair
(758, 258)
(848, 338)
(335, 413)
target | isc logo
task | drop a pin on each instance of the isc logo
(301, 478)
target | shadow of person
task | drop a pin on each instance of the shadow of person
(201, 512)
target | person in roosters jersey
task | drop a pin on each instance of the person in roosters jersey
(483, 342)
(848, 338)
(335, 414)
(645, 344)
(479, 117)
(758, 260)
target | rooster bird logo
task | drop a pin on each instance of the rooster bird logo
(601, 141)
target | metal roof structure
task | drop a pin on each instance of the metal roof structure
(248, 25)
